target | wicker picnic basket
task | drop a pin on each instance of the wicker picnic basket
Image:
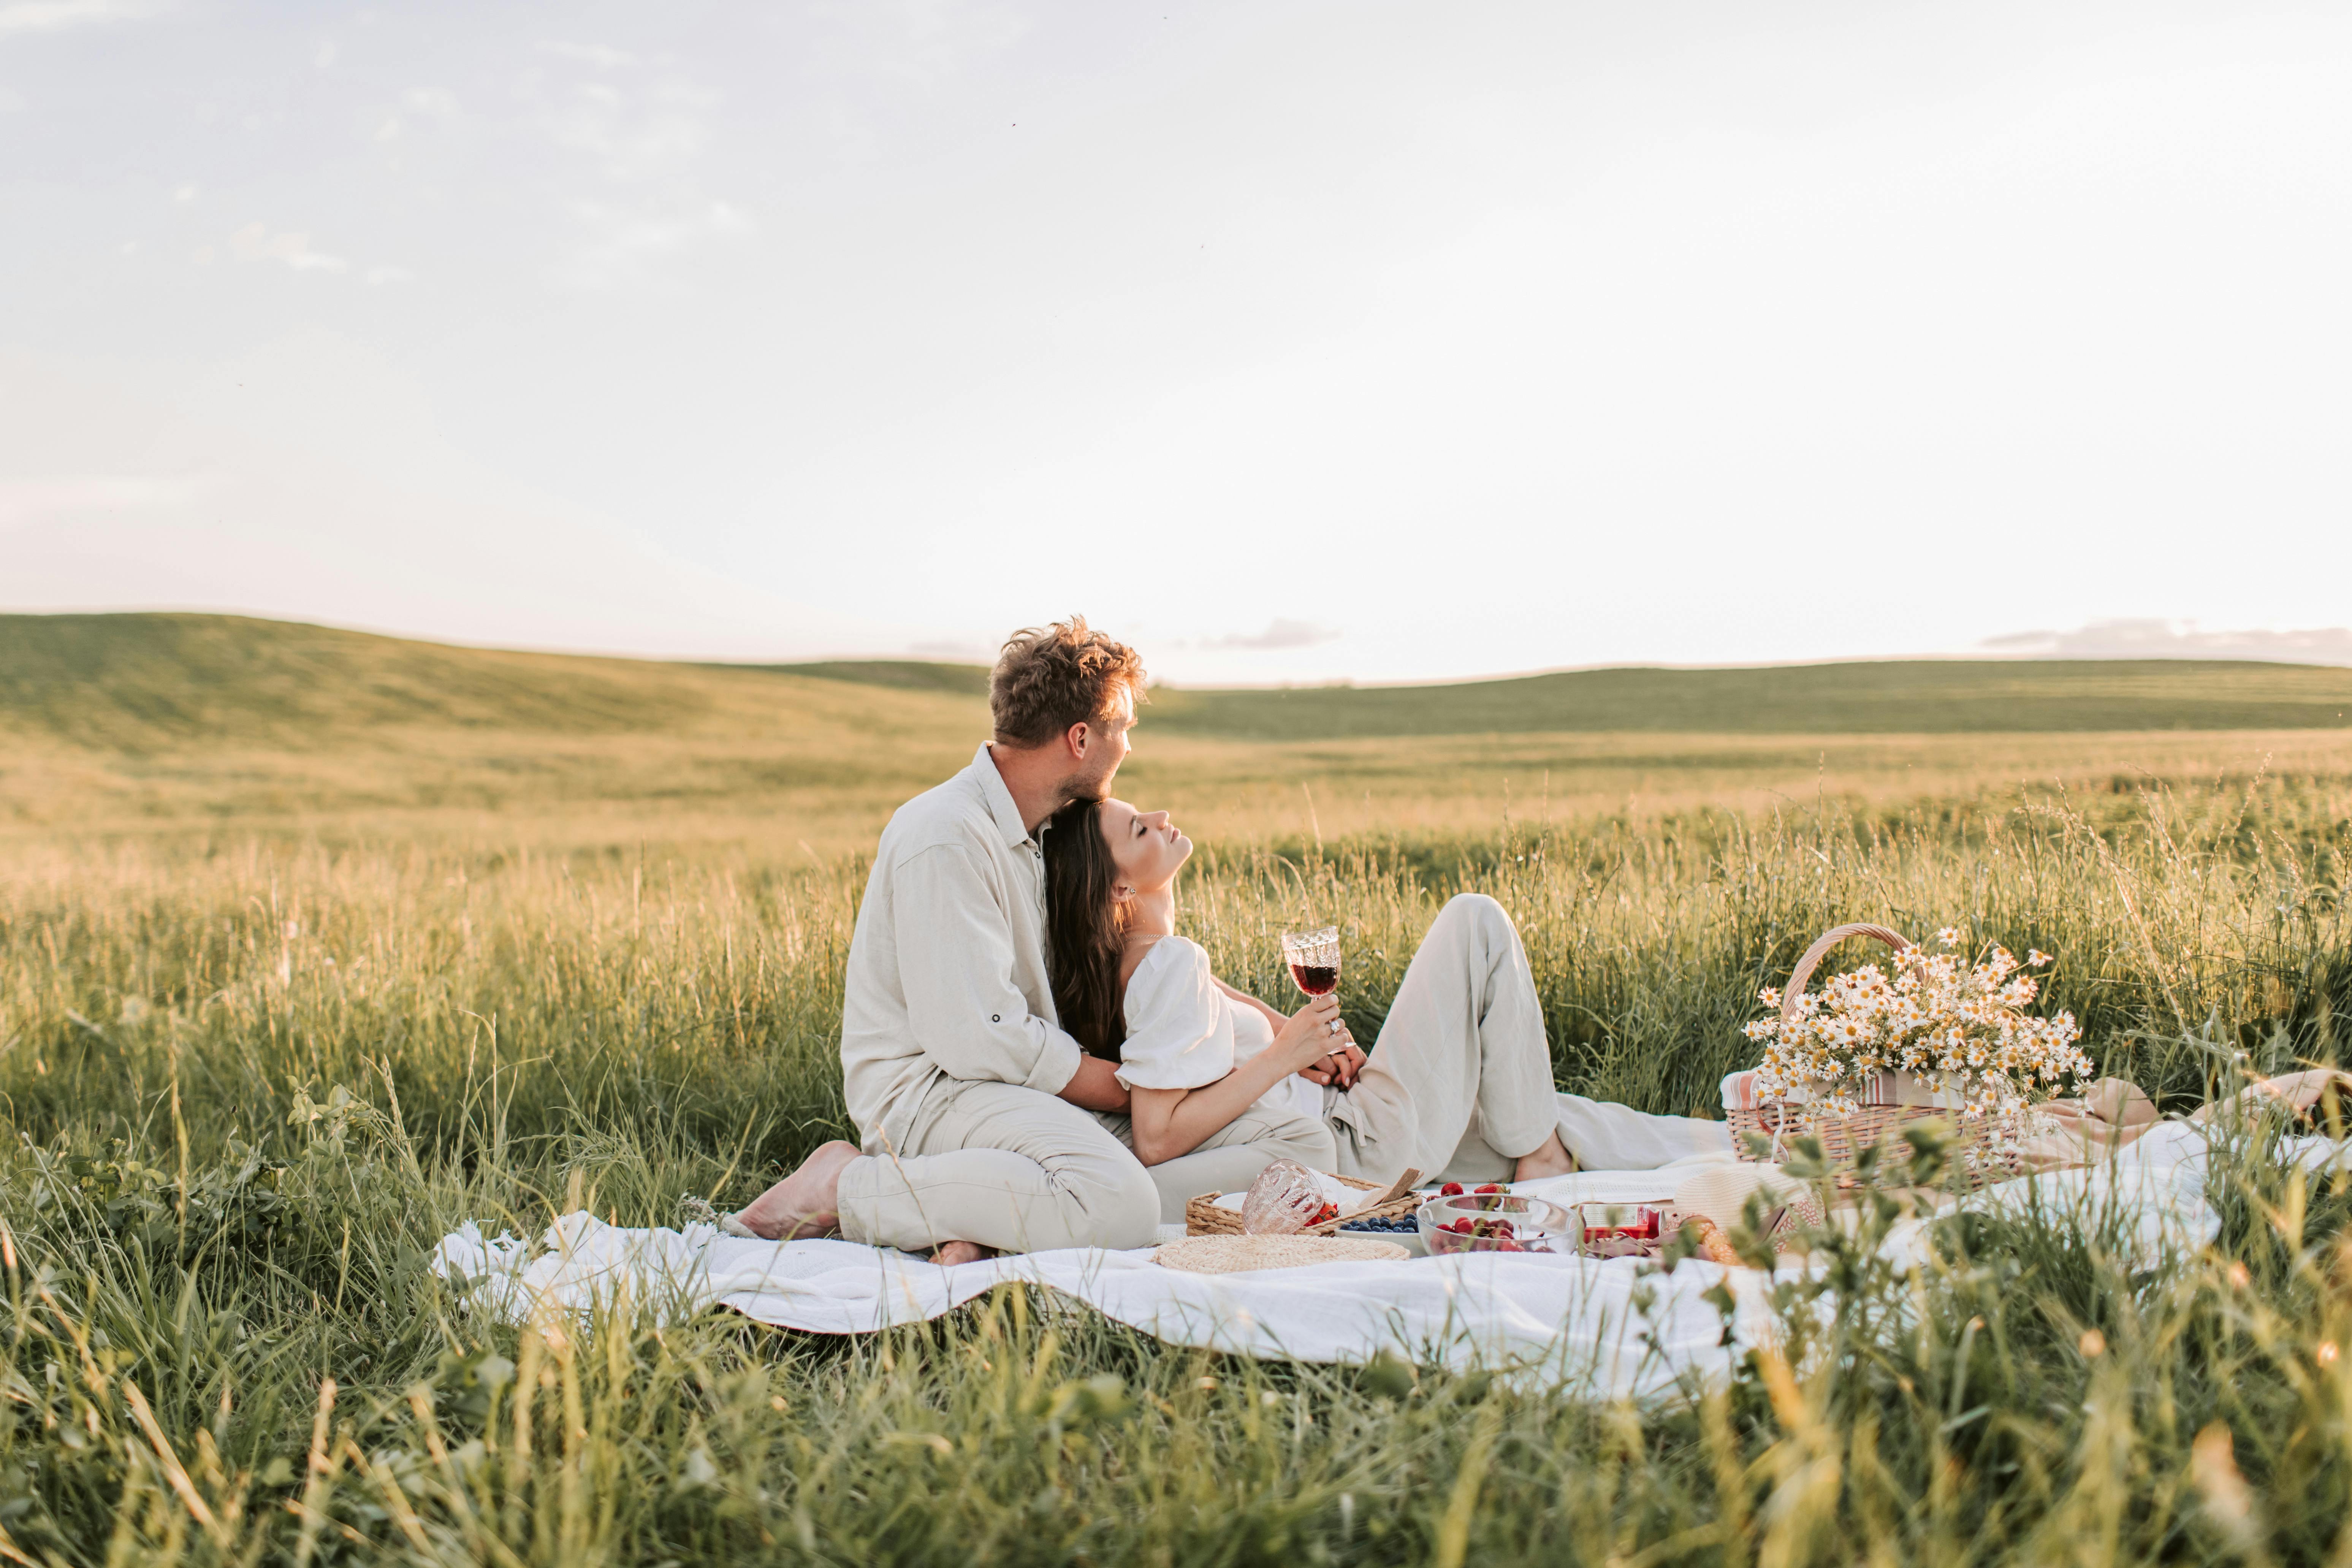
(1884, 1112)
(1204, 1218)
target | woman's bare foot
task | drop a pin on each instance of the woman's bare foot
(951, 1253)
(808, 1202)
(1550, 1160)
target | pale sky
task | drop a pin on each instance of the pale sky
(1289, 340)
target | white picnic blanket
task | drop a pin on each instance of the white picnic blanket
(1601, 1326)
(1568, 1319)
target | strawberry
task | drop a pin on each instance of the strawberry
(1451, 1190)
(1489, 1187)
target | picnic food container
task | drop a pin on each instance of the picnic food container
(1620, 1230)
(1204, 1216)
(1496, 1222)
(1889, 1100)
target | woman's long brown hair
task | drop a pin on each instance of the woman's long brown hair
(1084, 931)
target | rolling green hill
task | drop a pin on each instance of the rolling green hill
(1891, 697)
(905, 674)
(1909, 697)
(206, 724)
(137, 681)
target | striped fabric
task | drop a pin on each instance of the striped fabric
(1741, 1093)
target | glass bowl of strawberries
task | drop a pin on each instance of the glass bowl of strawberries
(1489, 1219)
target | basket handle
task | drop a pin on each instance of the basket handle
(1803, 973)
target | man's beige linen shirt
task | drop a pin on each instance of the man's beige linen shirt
(947, 966)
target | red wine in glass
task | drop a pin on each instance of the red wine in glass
(1316, 979)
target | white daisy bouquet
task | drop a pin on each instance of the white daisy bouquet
(1960, 1028)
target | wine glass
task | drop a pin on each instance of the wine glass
(1314, 959)
(1283, 1200)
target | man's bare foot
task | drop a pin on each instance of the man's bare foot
(951, 1253)
(1551, 1160)
(808, 1202)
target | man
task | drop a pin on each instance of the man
(984, 1123)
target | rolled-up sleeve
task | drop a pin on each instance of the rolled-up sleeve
(955, 961)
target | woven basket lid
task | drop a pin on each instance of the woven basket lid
(1241, 1254)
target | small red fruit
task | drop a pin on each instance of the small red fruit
(1489, 1187)
(1451, 1190)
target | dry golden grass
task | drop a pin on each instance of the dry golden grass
(728, 783)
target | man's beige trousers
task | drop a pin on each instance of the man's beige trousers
(1020, 1171)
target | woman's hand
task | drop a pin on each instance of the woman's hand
(1311, 1034)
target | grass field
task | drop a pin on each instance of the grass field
(312, 946)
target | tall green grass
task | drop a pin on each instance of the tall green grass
(247, 1090)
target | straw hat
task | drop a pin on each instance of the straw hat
(1721, 1193)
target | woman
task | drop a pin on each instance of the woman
(1458, 1085)
(1210, 1072)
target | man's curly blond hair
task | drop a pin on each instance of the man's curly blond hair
(1050, 678)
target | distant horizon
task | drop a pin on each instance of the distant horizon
(2184, 652)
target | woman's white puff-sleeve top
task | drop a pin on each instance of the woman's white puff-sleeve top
(1180, 1027)
(1184, 1033)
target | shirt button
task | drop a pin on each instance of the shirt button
(996, 1017)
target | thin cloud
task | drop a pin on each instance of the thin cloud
(1279, 633)
(600, 55)
(623, 241)
(57, 16)
(634, 133)
(432, 105)
(256, 243)
(2150, 638)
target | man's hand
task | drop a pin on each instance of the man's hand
(1095, 1087)
(1342, 1067)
